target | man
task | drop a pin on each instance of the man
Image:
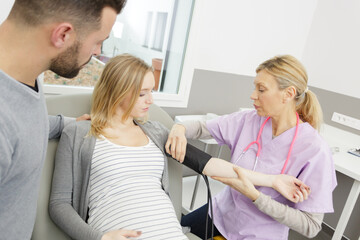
(39, 35)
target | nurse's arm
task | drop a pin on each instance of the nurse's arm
(305, 223)
(288, 186)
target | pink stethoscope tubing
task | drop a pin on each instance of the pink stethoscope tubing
(257, 142)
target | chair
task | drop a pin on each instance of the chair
(75, 105)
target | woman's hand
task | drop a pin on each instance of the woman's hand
(291, 188)
(121, 234)
(241, 184)
(176, 143)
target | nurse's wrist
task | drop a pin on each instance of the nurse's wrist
(254, 195)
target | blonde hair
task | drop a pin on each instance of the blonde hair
(288, 71)
(123, 75)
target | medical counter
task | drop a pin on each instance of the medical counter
(340, 142)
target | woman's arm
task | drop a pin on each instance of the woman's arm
(290, 187)
(60, 206)
(177, 138)
(308, 224)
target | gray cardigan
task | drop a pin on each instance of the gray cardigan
(69, 198)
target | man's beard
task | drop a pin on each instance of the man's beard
(66, 63)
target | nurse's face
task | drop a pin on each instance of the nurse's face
(268, 98)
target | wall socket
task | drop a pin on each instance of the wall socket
(346, 120)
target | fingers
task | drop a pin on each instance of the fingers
(298, 196)
(304, 192)
(230, 181)
(176, 143)
(224, 180)
(177, 149)
(167, 145)
(303, 189)
(130, 233)
(173, 147)
(295, 198)
(83, 117)
(238, 171)
(121, 234)
(301, 196)
(300, 184)
(181, 154)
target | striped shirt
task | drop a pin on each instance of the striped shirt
(126, 191)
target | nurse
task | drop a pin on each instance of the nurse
(279, 136)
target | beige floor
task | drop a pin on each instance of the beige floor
(188, 187)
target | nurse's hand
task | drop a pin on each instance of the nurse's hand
(176, 143)
(241, 184)
(291, 188)
(121, 234)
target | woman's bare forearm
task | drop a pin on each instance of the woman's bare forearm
(221, 168)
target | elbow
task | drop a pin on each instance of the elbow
(52, 211)
(56, 209)
(311, 233)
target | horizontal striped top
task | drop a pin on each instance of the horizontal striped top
(126, 191)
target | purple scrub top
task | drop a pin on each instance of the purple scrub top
(235, 216)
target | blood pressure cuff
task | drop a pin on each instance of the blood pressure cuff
(195, 158)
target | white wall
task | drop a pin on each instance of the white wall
(332, 52)
(234, 36)
(5, 7)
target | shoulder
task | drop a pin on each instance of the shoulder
(245, 115)
(311, 147)
(311, 137)
(154, 126)
(156, 131)
(237, 119)
(77, 128)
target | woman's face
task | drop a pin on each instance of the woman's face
(268, 99)
(145, 98)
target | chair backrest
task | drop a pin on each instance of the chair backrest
(73, 106)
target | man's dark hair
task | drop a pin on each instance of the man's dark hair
(81, 13)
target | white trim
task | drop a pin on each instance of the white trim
(60, 89)
(98, 61)
(161, 99)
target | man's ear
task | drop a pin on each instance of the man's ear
(62, 35)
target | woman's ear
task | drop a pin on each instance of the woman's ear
(289, 94)
(63, 35)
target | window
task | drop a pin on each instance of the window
(154, 30)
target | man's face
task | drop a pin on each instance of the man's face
(66, 64)
(73, 59)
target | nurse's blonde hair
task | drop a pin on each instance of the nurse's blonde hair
(288, 71)
(122, 76)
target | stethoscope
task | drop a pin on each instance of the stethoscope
(257, 142)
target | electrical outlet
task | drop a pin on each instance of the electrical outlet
(346, 120)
